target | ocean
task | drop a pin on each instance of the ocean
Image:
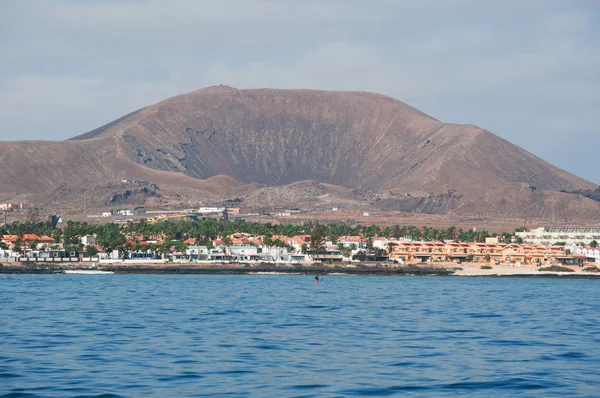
(285, 336)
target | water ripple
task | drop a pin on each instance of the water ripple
(283, 336)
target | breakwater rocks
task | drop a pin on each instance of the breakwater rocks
(407, 271)
(236, 269)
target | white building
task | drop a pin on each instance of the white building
(242, 252)
(569, 236)
(208, 210)
(88, 240)
(128, 212)
(589, 252)
(382, 243)
(274, 253)
(195, 252)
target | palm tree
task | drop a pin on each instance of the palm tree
(18, 246)
(279, 244)
(390, 247)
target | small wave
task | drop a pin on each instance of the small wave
(8, 375)
(267, 347)
(484, 315)
(182, 376)
(515, 383)
(382, 391)
(308, 386)
(235, 372)
(567, 355)
(405, 364)
(572, 355)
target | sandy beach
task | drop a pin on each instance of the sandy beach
(503, 270)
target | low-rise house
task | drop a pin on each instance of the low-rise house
(127, 212)
(190, 241)
(219, 256)
(145, 254)
(28, 238)
(297, 257)
(88, 240)
(592, 254)
(5, 254)
(401, 251)
(381, 243)
(274, 253)
(46, 240)
(56, 255)
(10, 240)
(197, 253)
(296, 243)
(357, 241)
(242, 252)
(329, 258)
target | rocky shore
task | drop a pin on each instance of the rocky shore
(233, 269)
(320, 269)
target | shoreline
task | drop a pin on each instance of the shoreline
(465, 271)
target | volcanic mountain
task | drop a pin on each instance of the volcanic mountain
(220, 142)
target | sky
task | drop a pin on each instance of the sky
(526, 70)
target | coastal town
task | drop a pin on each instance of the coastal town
(221, 242)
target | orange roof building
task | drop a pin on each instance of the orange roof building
(10, 238)
(30, 238)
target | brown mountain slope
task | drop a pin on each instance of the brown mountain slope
(279, 137)
(345, 138)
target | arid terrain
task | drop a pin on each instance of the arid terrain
(269, 148)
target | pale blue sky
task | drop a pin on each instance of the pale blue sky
(527, 70)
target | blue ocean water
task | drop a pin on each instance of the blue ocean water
(285, 336)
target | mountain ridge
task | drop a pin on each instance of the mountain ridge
(279, 137)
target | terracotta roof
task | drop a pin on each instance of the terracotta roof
(30, 238)
(189, 241)
(46, 239)
(10, 238)
(352, 239)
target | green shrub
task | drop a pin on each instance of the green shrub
(591, 268)
(486, 267)
(556, 268)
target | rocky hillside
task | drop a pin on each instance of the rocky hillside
(220, 140)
